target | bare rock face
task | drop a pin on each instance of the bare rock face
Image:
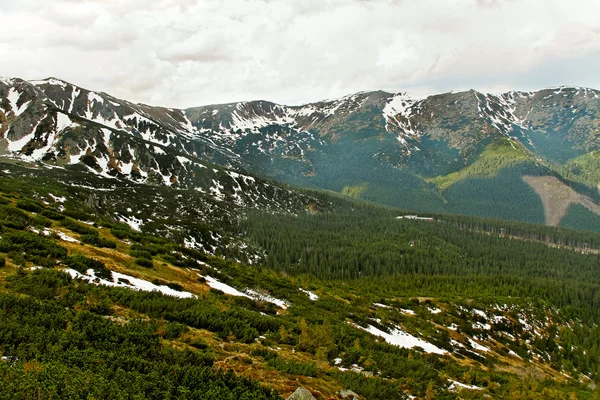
(301, 394)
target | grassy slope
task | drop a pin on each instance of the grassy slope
(339, 301)
(496, 156)
(584, 169)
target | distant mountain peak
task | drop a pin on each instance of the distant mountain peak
(338, 144)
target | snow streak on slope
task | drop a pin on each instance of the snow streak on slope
(13, 98)
(129, 282)
(248, 293)
(244, 118)
(397, 114)
(398, 337)
(500, 109)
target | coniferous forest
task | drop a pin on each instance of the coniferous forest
(340, 295)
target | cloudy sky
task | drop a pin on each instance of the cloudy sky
(182, 53)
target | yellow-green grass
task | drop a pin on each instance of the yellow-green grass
(496, 156)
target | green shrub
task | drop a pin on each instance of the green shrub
(97, 241)
(13, 217)
(141, 254)
(81, 263)
(153, 249)
(39, 221)
(14, 222)
(264, 353)
(292, 367)
(175, 286)
(29, 205)
(144, 262)
(119, 233)
(80, 215)
(172, 285)
(2, 262)
(125, 233)
(78, 228)
(35, 248)
(52, 215)
(199, 344)
(174, 330)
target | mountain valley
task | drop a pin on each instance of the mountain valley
(379, 245)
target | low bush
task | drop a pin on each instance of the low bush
(144, 262)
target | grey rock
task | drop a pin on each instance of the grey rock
(301, 394)
(348, 394)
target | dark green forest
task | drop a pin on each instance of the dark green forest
(64, 338)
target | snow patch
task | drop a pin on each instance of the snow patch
(106, 133)
(158, 150)
(57, 199)
(268, 298)
(18, 144)
(381, 305)
(223, 287)
(92, 96)
(13, 97)
(398, 337)
(248, 293)
(192, 243)
(477, 346)
(310, 294)
(455, 385)
(133, 222)
(397, 113)
(129, 282)
(50, 81)
(66, 237)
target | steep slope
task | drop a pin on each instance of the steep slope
(395, 148)
(385, 307)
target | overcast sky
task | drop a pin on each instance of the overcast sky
(182, 53)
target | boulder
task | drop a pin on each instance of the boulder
(301, 394)
(348, 394)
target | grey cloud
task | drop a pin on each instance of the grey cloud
(192, 52)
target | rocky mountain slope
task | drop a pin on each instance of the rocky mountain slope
(463, 152)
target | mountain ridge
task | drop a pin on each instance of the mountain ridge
(395, 142)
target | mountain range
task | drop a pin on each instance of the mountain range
(531, 156)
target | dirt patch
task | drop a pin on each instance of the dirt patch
(557, 197)
(312, 207)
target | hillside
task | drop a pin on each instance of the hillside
(450, 152)
(341, 295)
(162, 253)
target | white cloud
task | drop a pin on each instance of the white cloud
(186, 53)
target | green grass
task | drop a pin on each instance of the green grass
(584, 169)
(496, 156)
(356, 190)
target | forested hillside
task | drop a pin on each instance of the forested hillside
(341, 295)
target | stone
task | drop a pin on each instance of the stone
(348, 394)
(301, 394)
